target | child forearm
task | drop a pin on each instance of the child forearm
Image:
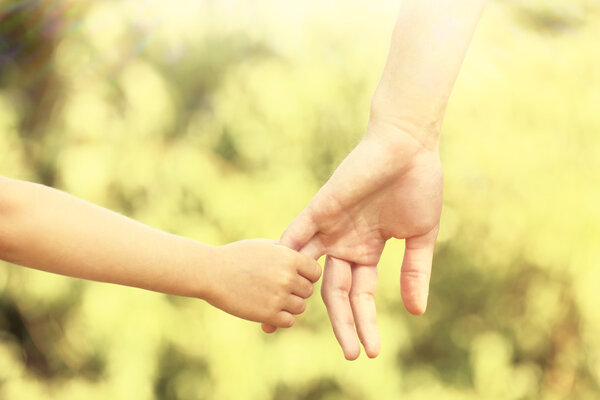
(46, 229)
(52, 231)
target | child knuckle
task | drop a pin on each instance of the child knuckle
(287, 280)
(288, 321)
(310, 290)
(302, 306)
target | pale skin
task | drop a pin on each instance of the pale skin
(258, 280)
(390, 185)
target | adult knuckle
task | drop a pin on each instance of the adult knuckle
(360, 292)
(416, 275)
(361, 297)
(329, 294)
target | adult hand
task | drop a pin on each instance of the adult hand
(390, 185)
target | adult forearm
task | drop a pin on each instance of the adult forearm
(50, 230)
(428, 45)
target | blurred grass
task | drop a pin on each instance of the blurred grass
(220, 120)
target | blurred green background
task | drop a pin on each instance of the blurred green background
(219, 120)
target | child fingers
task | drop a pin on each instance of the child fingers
(268, 328)
(283, 319)
(295, 305)
(309, 268)
(303, 287)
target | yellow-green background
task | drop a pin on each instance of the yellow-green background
(219, 120)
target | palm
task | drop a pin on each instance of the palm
(378, 192)
(372, 197)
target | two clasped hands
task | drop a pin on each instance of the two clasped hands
(389, 186)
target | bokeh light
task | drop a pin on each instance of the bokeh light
(219, 120)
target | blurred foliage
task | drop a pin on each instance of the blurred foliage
(219, 120)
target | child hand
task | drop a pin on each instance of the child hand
(262, 281)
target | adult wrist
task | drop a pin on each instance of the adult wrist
(394, 131)
(409, 109)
